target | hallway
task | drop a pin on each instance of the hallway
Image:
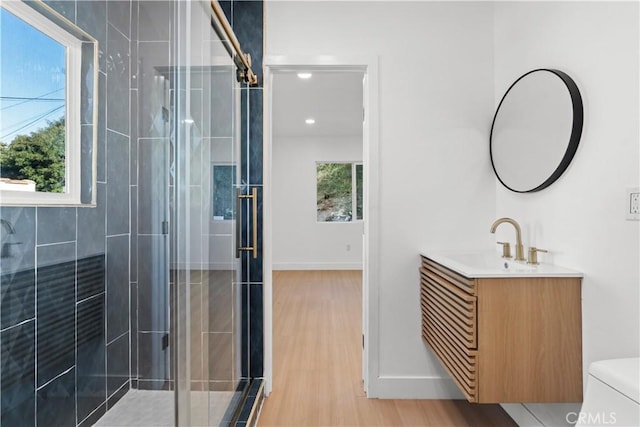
(317, 363)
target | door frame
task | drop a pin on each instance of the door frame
(371, 158)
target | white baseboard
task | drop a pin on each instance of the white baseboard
(317, 266)
(396, 387)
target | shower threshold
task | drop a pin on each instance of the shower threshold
(150, 408)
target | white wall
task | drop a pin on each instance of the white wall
(299, 241)
(581, 218)
(437, 188)
(439, 86)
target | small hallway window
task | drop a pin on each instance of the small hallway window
(339, 192)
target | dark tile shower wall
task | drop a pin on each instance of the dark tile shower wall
(246, 18)
(65, 278)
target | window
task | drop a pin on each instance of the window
(339, 189)
(223, 192)
(40, 107)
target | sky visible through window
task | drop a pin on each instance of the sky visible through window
(32, 78)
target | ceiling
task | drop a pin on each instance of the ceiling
(332, 98)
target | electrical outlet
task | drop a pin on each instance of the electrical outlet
(633, 204)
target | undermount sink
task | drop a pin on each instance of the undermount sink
(489, 264)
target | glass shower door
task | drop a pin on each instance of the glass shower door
(150, 317)
(207, 300)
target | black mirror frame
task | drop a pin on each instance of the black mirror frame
(574, 139)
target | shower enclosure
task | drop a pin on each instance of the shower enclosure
(189, 311)
(205, 262)
(153, 293)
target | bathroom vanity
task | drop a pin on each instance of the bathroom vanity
(505, 331)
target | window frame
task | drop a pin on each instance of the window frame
(354, 190)
(354, 193)
(73, 63)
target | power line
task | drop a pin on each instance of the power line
(25, 100)
(32, 122)
(9, 128)
(18, 98)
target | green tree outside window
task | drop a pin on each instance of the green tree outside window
(39, 156)
(336, 188)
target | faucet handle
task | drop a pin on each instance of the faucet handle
(533, 255)
(506, 249)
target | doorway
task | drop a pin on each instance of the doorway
(360, 255)
(317, 215)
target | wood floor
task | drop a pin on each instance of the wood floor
(317, 317)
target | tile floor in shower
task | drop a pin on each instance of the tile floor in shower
(148, 408)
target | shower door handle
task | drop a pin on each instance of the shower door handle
(254, 232)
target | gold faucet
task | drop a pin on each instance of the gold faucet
(519, 247)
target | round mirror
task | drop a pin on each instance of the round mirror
(536, 130)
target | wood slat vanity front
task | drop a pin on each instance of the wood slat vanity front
(505, 339)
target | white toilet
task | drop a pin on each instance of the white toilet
(613, 394)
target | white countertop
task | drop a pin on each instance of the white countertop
(489, 264)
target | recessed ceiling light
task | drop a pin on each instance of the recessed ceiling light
(310, 121)
(304, 75)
